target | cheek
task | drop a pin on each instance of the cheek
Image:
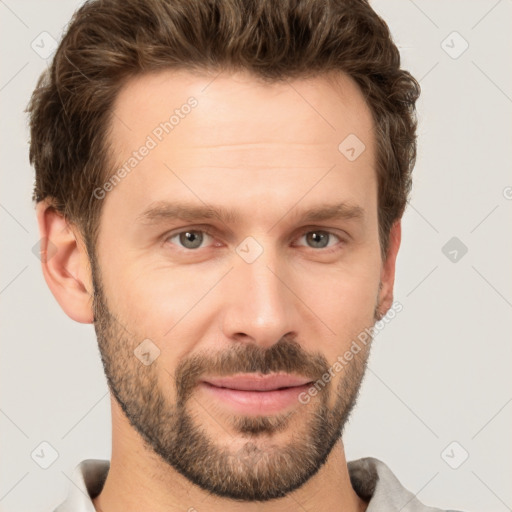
(161, 300)
(347, 290)
(165, 305)
(161, 309)
(345, 301)
(147, 298)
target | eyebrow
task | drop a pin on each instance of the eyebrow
(161, 211)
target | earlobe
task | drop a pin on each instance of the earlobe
(387, 277)
(65, 263)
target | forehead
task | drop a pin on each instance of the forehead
(226, 137)
(236, 109)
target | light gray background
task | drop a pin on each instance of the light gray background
(439, 372)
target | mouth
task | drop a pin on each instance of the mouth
(256, 382)
(256, 394)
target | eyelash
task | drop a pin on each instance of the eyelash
(211, 233)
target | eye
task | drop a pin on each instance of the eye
(189, 239)
(194, 238)
(319, 239)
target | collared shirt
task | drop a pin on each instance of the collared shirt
(371, 479)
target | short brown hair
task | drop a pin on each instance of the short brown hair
(109, 41)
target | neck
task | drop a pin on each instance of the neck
(139, 480)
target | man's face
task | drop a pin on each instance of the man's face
(263, 291)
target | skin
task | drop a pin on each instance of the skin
(269, 152)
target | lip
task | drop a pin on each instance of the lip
(257, 382)
(256, 394)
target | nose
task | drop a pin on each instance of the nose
(259, 307)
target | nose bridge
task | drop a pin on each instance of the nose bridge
(258, 303)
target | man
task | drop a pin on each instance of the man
(219, 189)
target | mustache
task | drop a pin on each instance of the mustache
(285, 356)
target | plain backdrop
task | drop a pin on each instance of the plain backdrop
(438, 385)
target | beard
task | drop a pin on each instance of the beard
(252, 465)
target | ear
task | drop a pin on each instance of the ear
(387, 276)
(65, 263)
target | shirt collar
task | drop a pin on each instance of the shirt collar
(373, 481)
